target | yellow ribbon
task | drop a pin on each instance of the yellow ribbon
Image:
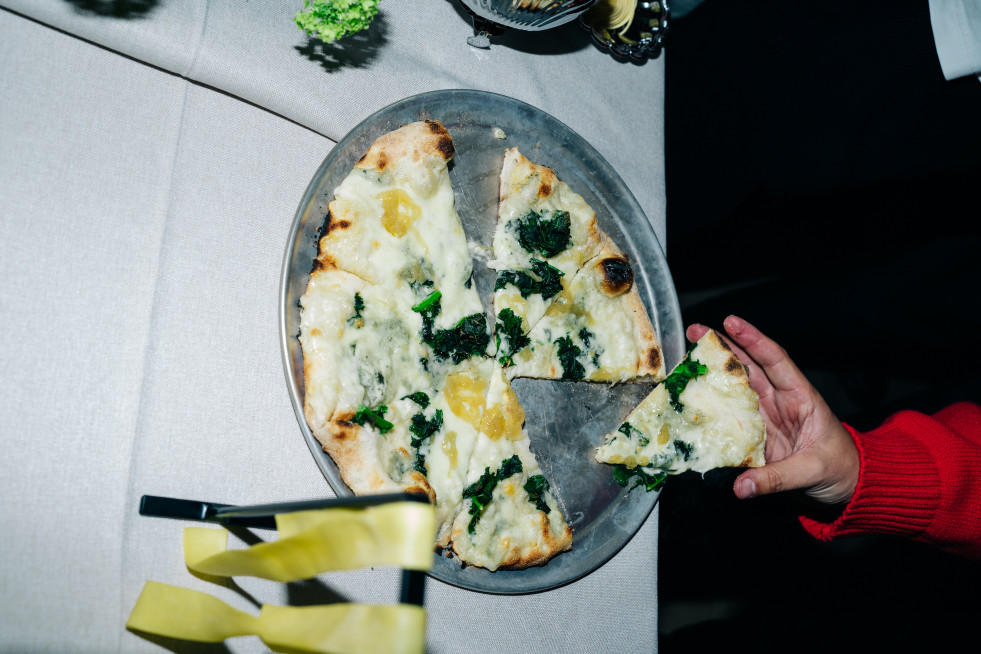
(311, 542)
(332, 629)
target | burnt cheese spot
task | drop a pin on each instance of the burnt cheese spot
(381, 161)
(618, 276)
(544, 190)
(445, 147)
(734, 367)
(435, 126)
(654, 358)
(344, 430)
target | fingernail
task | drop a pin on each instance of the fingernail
(745, 488)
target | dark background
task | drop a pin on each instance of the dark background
(823, 182)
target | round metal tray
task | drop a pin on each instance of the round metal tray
(565, 421)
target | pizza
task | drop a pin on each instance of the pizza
(400, 384)
(704, 415)
(408, 377)
(565, 301)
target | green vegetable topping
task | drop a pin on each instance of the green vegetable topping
(542, 279)
(683, 449)
(422, 430)
(536, 486)
(356, 319)
(466, 339)
(652, 482)
(481, 491)
(419, 398)
(374, 416)
(330, 20)
(549, 236)
(432, 299)
(628, 429)
(509, 326)
(568, 351)
(676, 382)
(585, 336)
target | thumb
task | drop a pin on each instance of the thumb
(785, 474)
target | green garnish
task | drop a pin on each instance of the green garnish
(546, 280)
(585, 336)
(430, 300)
(356, 319)
(422, 430)
(536, 486)
(546, 235)
(651, 482)
(330, 20)
(374, 416)
(419, 398)
(676, 382)
(481, 491)
(683, 449)
(568, 351)
(509, 326)
(467, 338)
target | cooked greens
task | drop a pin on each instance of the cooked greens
(651, 482)
(356, 320)
(467, 338)
(375, 416)
(536, 487)
(422, 429)
(676, 382)
(509, 327)
(550, 236)
(481, 491)
(567, 353)
(419, 398)
(542, 279)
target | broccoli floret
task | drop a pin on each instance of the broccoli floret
(330, 20)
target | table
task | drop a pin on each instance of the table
(153, 155)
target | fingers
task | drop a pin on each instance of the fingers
(787, 474)
(773, 359)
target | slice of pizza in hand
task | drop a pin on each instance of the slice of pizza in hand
(510, 518)
(545, 232)
(704, 415)
(596, 329)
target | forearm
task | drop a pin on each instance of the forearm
(919, 478)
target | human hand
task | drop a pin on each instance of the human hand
(806, 445)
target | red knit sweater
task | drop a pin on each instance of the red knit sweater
(920, 478)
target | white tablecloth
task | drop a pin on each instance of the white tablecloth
(150, 168)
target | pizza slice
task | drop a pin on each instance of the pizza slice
(394, 218)
(510, 519)
(596, 329)
(545, 232)
(362, 352)
(704, 415)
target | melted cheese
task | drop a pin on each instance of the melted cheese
(720, 423)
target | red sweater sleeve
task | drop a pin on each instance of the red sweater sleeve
(919, 478)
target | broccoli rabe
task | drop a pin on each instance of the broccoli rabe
(422, 430)
(567, 353)
(536, 487)
(651, 482)
(481, 491)
(676, 382)
(509, 327)
(542, 279)
(374, 416)
(550, 236)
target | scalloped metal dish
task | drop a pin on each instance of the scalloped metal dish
(566, 421)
